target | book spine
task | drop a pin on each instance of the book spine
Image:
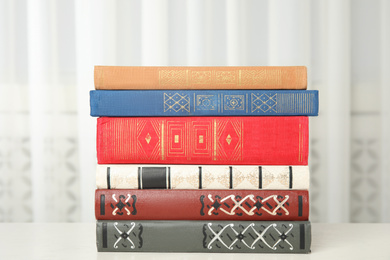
(203, 140)
(204, 103)
(273, 205)
(266, 77)
(204, 236)
(212, 177)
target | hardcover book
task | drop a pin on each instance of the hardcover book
(214, 177)
(256, 77)
(204, 103)
(273, 205)
(279, 140)
(204, 236)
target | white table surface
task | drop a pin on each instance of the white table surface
(77, 241)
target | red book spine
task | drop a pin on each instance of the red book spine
(272, 205)
(263, 140)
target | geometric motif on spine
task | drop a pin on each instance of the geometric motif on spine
(263, 102)
(206, 102)
(177, 142)
(250, 236)
(125, 235)
(122, 205)
(176, 102)
(173, 77)
(201, 77)
(234, 102)
(225, 77)
(249, 205)
(265, 77)
(188, 139)
(221, 181)
(148, 139)
(229, 139)
(260, 77)
(200, 139)
(249, 178)
(281, 178)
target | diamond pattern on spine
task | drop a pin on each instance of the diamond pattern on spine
(206, 102)
(263, 103)
(250, 205)
(229, 138)
(176, 102)
(128, 235)
(148, 139)
(252, 236)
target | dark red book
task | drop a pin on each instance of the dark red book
(202, 205)
(279, 140)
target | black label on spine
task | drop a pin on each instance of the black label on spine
(102, 204)
(169, 177)
(302, 236)
(200, 177)
(260, 177)
(154, 177)
(291, 177)
(139, 178)
(299, 206)
(230, 177)
(108, 178)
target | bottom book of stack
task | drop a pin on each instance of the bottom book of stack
(203, 236)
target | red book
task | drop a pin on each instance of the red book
(279, 140)
(202, 205)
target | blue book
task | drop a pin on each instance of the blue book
(204, 103)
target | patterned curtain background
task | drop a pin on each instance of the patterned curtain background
(48, 49)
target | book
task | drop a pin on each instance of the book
(228, 77)
(212, 177)
(204, 103)
(276, 140)
(204, 236)
(141, 204)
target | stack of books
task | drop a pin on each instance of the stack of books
(202, 159)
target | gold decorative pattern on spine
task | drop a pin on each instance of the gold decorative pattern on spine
(264, 77)
(228, 139)
(205, 102)
(201, 77)
(173, 77)
(176, 102)
(234, 102)
(236, 135)
(263, 102)
(225, 77)
(148, 138)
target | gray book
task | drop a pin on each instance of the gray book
(204, 236)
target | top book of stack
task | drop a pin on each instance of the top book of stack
(228, 77)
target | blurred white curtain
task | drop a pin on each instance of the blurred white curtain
(48, 49)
